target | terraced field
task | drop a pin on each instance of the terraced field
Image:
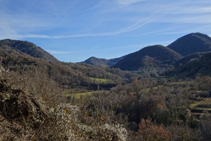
(199, 107)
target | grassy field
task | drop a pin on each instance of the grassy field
(101, 81)
(81, 92)
(195, 104)
(77, 94)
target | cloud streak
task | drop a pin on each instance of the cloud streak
(129, 2)
(131, 17)
(138, 24)
(54, 52)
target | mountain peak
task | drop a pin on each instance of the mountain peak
(191, 43)
(102, 62)
(96, 61)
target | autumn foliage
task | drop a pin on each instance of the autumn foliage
(148, 131)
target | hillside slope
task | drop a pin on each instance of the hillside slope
(200, 64)
(191, 43)
(189, 58)
(28, 48)
(64, 74)
(151, 56)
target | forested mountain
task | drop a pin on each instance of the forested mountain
(96, 62)
(191, 43)
(102, 62)
(26, 47)
(151, 56)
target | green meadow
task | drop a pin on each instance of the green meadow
(101, 81)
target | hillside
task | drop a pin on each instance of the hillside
(191, 43)
(112, 62)
(66, 75)
(188, 58)
(198, 64)
(26, 47)
(102, 62)
(151, 56)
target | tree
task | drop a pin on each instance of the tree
(148, 131)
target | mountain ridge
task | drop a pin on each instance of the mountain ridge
(185, 46)
(150, 56)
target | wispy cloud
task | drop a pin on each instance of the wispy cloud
(205, 29)
(48, 19)
(58, 52)
(128, 2)
(138, 24)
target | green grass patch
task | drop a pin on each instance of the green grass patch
(202, 102)
(77, 93)
(206, 109)
(195, 104)
(101, 81)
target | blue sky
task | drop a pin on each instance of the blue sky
(74, 30)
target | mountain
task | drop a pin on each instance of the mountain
(26, 47)
(102, 62)
(191, 43)
(96, 62)
(151, 56)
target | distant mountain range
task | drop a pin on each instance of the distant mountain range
(180, 53)
(185, 48)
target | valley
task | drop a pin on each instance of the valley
(157, 93)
